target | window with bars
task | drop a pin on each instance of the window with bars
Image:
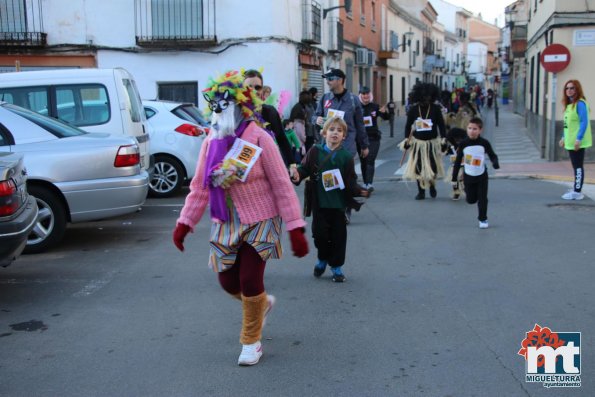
(312, 22)
(174, 20)
(21, 23)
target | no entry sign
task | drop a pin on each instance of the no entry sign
(555, 58)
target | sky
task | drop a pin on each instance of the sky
(490, 9)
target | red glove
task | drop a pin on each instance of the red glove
(299, 244)
(180, 233)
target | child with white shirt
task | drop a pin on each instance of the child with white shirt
(473, 150)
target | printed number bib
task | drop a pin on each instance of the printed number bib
(423, 124)
(335, 113)
(474, 164)
(332, 180)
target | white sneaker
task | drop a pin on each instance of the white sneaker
(270, 304)
(483, 224)
(572, 195)
(250, 354)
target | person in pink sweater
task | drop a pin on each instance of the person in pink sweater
(242, 177)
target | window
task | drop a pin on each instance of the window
(373, 16)
(13, 16)
(179, 92)
(54, 127)
(149, 112)
(134, 99)
(34, 98)
(181, 19)
(82, 105)
(531, 83)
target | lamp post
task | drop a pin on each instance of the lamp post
(407, 42)
(347, 7)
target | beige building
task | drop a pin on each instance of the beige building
(488, 34)
(404, 71)
(568, 23)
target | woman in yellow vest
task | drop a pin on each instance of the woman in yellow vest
(577, 134)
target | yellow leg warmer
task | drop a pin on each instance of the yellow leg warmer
(253, 314)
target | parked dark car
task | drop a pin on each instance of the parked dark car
(18, 210)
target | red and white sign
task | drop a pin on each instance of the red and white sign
(555, 58)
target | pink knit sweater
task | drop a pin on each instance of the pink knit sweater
(266, 193)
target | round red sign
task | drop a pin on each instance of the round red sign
(555, 58)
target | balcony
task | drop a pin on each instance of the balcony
(428, 46)
(335, 44)
(21, 24)
(392, 52)
(311, 22)
(175, 23)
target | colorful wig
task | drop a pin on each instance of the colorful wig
(229, 86)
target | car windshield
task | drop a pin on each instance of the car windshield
(53, 126)
(192, 114)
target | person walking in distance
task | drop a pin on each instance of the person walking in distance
(341, 103)
(371, 113)
(472, 151)
(577, 134)
(241, 176)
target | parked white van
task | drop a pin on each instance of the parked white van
(95, 100)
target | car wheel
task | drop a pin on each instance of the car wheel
(51, 221)
(168, 177)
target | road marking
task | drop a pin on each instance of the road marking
(95, 285)
(358, 168)
(401, 170)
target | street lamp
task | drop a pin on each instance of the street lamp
(347, 7)
(407, 42)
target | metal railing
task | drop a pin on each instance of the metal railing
(21, 24)
(311, 22)
(167, 22)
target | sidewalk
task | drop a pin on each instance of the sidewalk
(519, 158)
(511, 165)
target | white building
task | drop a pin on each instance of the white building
(477, 57)
(173, 47)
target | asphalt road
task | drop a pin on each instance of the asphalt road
(432, 305)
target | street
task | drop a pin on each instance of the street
(432, 305)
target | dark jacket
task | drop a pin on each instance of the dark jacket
(350, 104)
(340, 159)
(434, 113)
(373, 110)
(271, 116)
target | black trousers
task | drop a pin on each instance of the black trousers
(476, 191)
(330, 235)
(368, 163)
(577, 159)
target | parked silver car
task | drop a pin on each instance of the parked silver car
(74, 175)
(18, 210)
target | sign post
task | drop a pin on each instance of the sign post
(554, 58)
